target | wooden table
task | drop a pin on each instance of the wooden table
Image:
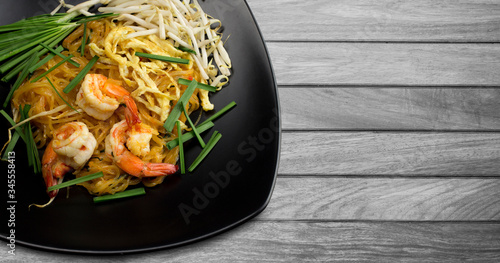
(391, 137)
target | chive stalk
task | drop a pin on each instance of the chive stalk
(74, 63)
(220, 112)
(196, 133)
(190, 135)
(76, 181)
(200, 85)
(216, 136)
(84, 39)
(181, 148)
(185, 49)
(162, 58)
(176, 111)
(124, 194)
(13, 123)
(20, 79)
(51, 69)
(10, 146)
(81, 75)
(19, 40)
(45, 60)
(12, 66)
(59, 94)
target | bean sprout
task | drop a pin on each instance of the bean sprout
(182, 21)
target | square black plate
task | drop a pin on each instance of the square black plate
(231, 186)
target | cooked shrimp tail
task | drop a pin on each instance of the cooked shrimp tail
(53, 169)
(131, 112)
(113, 89)
(71, 148)
(100, 96)
(133, 165)
(125, 143)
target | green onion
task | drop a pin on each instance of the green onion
(200, 85)
(21, 78)
(181, 148)
(84, 39)
(80, 75)
(13, 123)
(219, 113)
(190, 135)
(94, 17)
(74, 63)
(37, 165)
(10, 147)
(76, 181)
(58, 94)
(124, 194)
(185, 49)
(202, 143)
(23, 46)
(27, 134)
(176, 111)
(33, 158)
(19, 40)
(162, 58)
(51, 69)
(14, 65)
(210, 145)
(45, 60)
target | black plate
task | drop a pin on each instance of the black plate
(231, 186)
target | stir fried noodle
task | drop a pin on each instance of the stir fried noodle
(152, 84)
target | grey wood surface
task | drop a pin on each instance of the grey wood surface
(391, 138)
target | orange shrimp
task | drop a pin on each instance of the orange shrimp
(99, 97)
(116, 148)
(71, 148)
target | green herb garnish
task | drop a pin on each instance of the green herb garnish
(200, 85)
(185, 49)
(196, 133)
(210, 145)
(51, 69)
(10, 147)
(76, 181)
(162, 58)
(84, 39)
(81, 75)
(124, 194)
(20, 79)
(33, 157)
(58, 94)
(45, 60)
(190, 135)
(30, 33)
(13, 123)
(176, 111)
(94, 17)
(181, 148)
(219, 113)
(74, 63)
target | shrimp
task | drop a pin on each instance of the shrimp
(99, 97)
(137, 136)
(71, 148)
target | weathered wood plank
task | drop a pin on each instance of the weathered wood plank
(402, 199)
(385, 20)
(390, 108)
(390, 153)
(259, 241)
(385, 64)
